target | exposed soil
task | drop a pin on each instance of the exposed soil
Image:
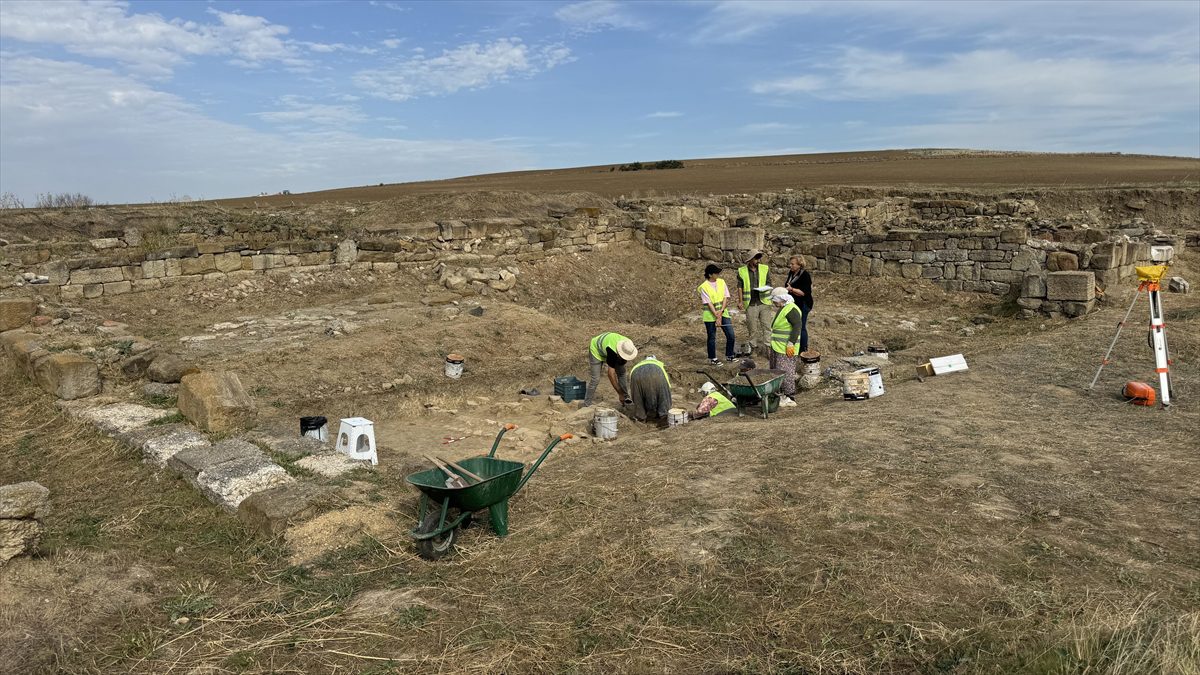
(1005, 519)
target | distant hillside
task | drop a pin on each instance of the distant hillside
(899, 168)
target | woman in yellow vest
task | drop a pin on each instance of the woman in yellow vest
(714, 403)
(785, 331)
(650, 388)
(714, 297)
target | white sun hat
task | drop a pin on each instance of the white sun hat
(708, 387)
(781, 293)
(626, 350)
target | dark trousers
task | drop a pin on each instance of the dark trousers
(711, 328)
(804, 328)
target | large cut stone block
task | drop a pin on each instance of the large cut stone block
(15, 312)
(190, 462)
(121, 418)
(101, 275)
(18, 536)
(24, 500)
(272, 511)
(216, 401)
(68, 376)
(162, 442)
(228, 483)
(1071, 286)
(1062, 261)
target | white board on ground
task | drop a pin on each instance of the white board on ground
(948, 364)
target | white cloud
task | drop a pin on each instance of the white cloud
(596, 15)
(768, 128)
(298, 111)
(664, 115)
(470, 66)
(392, 43)
(790, 85)
(147, 43)
(73, 127)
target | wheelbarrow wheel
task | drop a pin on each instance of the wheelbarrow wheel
(435, 548)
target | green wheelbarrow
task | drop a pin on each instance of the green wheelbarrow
(763, 390)
(445, 509)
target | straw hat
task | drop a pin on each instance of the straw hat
(626, 350)
(708, 387)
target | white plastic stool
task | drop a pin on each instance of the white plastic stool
(354, 434)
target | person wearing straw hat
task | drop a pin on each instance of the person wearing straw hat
(785, 331)
(754, 302)
(714, 297)
(609, 352)
(714, 403)
(650, 389)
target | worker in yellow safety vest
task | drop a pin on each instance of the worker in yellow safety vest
(609, 352)
(650, 389)
(714, 402)
(714, 298)
(785, 331)
(755, 303)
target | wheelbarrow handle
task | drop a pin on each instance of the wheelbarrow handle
(506, 428)
(714, 381)
(539, 460)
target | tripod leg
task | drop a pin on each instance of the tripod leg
(1113, 344)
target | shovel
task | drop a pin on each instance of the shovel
(463, 471)
(453, 480)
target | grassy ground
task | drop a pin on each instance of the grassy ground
(1000, 520)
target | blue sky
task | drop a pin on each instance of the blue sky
(139, 101)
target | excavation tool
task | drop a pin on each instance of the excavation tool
(1149, 280)
(714, 381)
(444, 509)
(453, 480)
(763, 393)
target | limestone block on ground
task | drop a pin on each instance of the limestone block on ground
(1178, 285)
(24, 500)
(1074, 309)
(160, 390)
(120, 418)
(16, 312)
(68, 376)
(1033, 286)
(189, 462)
(162, 442)
(228, 483)
(272, 511)
(168, 368)
(329, 464)
(216, 401)
(1071, 286)
(291, 447)
(19, 536)
(135, 366)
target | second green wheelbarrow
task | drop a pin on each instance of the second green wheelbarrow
(445, 509)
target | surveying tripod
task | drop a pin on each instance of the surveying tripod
(1149, 279)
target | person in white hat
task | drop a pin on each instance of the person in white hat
(609, 352)
(714, 402)
(785, 331)
(755, 303)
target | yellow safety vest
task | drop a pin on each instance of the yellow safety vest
(781, 330)
(605, 341)
(652, 362)
(723, 404)
(718, 302)
(744, 275)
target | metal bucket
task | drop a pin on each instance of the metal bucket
(810, 363)
(676, 417)
(875, 382)
(604, 423)
(315, 427)
(878, 351)
(454, 366)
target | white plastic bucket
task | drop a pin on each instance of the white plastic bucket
(856, 386)
(604, 423)
(454, 366)
(676, 417)
(875, 380)
(878, 351)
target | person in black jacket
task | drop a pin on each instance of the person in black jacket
(799, 284)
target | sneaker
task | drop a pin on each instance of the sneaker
(714, 362)
(785, 402)
(730, 359)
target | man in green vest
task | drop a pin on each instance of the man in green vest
(714, 403)
(609, 352)
(650, 388)
(756, 304)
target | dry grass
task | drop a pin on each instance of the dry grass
(1000, 520)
